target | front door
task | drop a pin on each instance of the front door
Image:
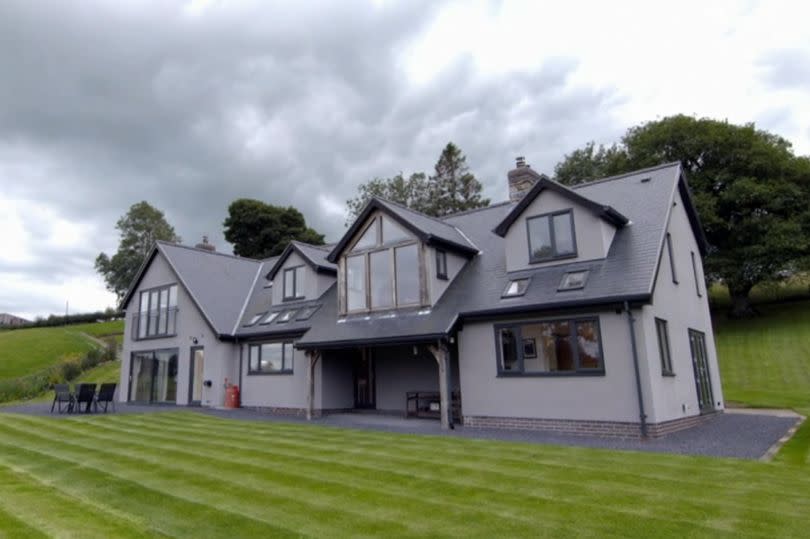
(700, 365)
(195, 384)
(364, 380)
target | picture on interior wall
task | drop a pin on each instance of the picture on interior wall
(529, 347)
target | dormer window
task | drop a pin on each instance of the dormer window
(294, 283)
(441, 265)
(551, 236)
(382, 271)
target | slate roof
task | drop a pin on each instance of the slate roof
(230, 290)
(431, 230)
(627, 273)
(314, 255)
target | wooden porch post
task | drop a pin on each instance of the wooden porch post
(314, 356)
(441, 354)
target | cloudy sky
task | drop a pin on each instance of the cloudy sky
(189, 105)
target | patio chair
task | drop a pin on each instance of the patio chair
(85, 394)
(105, 396)
(62, 395)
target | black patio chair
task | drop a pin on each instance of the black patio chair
(85, 394)
(105, 396)
(62, 395)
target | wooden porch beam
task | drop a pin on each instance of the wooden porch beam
(314, 356)
(441, 354)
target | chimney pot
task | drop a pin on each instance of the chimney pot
(520, 161)
(205, 245)
(521, 179)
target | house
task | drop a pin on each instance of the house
(11, 321)
(577, 309)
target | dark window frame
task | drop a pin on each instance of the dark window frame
(280, 318)
(154, 352)
(304, 310)
(520, 293)
(297, 294)
(284, 371)
(552, 237)
(171, 328)
(516, 329)
(671, 259)
(695, 272)
(255, 319)
(561, 288)
(441, 264)
(664, 346)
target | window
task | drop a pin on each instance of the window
(697, 279)
(671, 259)
(294, 283)
(547, 348)
(255, 318)
(385, 271)
(573, 280)
(441, 264)
(515, 288)
(663, 347)
(551, 236)
(271, 358)
(158, 313)
(270, 317)
(286, 316)
(307, 312)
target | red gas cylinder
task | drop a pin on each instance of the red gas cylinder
(232, 397)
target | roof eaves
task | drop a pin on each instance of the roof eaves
(138, 276)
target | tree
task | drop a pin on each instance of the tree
(260, 230)
(748, 187)
(453, 188)
(139, 229)
(411, 192)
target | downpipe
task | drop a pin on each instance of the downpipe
(631, 326)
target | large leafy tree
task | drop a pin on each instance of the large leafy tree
(139, 229)
(451, 189)
(749, 188)
(260, 230)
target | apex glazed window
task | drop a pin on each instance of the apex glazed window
(382, 271)
(550, 347)
(551, 236)
(158, 313)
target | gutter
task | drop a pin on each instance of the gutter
(630, 324)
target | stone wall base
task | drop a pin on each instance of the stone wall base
(585, 428)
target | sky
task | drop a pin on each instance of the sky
(190, 105)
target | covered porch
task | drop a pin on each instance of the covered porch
(414, 380)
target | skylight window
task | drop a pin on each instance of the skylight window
(270, 317)
(516, 287)
(286, 316)
(256, 318)
(573, 280)
(307, 312)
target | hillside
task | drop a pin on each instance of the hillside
(26, 351)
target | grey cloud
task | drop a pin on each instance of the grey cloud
(786, 69)
(112, 104)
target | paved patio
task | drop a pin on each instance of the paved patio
(748, 434)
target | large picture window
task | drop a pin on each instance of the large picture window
(552, 347)
(382, 271)
(551, 236)
(271, 358)
(153, 376)
(157, 316)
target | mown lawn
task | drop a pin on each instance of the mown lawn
(766, 361)
(188, 475)
(26, 351)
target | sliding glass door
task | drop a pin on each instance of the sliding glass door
(153, 376)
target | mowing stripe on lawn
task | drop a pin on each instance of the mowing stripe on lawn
(730, 517)
(12, 527)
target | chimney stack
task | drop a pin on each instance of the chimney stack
(521, 179)
(205, 246)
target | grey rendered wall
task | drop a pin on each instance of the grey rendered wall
(279, 390)
(593, 235)
(315, 284)
(437, 286)
(679, 304)
(611, 397)
(399, 371)
(220, 357)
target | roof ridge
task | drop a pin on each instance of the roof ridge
(473, 210)
(406, 208)
(623, 175)
(205, 251)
